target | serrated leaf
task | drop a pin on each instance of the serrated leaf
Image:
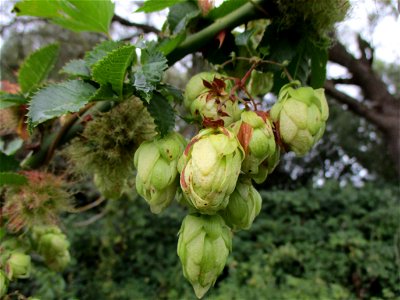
(10, 147)
(156, 5)
(58, 99)
(153, 65)
(105, 92)
(37, 67)
(8, 100)
(319, 59)
(8, 163)
(299, 66)
(8, 178)
(180, 15)
(243, 38)
(162, 112)
(112, 68)
(100, 51)
(225, 8)
(171, 93)
(167, 45)
(74, 15)
(76, 68)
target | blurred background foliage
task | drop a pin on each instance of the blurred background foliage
(329, 227)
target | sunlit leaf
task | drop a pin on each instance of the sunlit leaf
(76, 68)
(156, 5)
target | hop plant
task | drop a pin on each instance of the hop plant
(255, 134)
(156, 164)
(18, 265)
(3, 284)
(301, 115)
(208, 101)
(38, 202)
(203, 248)
(108, 143)
(209, 168)
(53, 245)
(243, 207)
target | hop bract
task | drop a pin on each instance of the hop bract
(156, 164)
(301, 114)
(207, 99)
(3, 284)
(203, 248)
(18, 265)
(210, 167)
(255, 134)
(53, 245)
(244, 205)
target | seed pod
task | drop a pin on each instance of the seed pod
(18, 265)
(156, 162)
(203, 248)
(244, 205)
(209, 168)
(301, 114)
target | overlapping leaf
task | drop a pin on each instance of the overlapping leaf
(58, 99)
(100, 51)
(162, 112)
(76, 68)
(37, 67)
(156, 5)
(112, 68)
(74, 15)
(10, 178)
(8, 100)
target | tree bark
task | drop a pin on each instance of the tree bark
(378, 106)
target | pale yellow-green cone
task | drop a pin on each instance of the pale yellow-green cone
(210, 106)
(3, 284)
(156, 165)
(53, 245)
(203, 248)
(18, 265)
(243, 207)
(209, 168)
(256, 136)
(301, 114)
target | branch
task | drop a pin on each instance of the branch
(343, 80)
(145, 28)
(354, 105)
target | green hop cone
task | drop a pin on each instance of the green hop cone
(256, 136)
(3, 284)
(244, 206)
(18, 265)
(203, 248)
(210, 103)
(53, 245)
(267, 167)
(301, 114)
(209, 168)
(156, 164)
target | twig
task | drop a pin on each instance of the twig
(88, 206)
(145, 28)
(91, 220)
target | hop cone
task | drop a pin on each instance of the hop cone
(207, 99)
(203, 248)
(53, 245)
(18, 265)
(255, 134)
(3, 284)
(156, 164)
(244, 205)
(301, 114)
(210, 167)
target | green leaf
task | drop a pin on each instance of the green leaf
(156, 5)
(37, 66)
(10, 147)
(319, 59)
(260, 83)
(180, 15)
(162, 112)
(76, 68)
(167, 45)
(58, 99)
(225, 8)
(8, 163)
(8, 100)
(100, 51)
(112, 68)
(171, 93)
(74, 15)
(105, 92)
(299, 66)
(151, 72)
(8, 178)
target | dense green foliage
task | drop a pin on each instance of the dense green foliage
(324, 243)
